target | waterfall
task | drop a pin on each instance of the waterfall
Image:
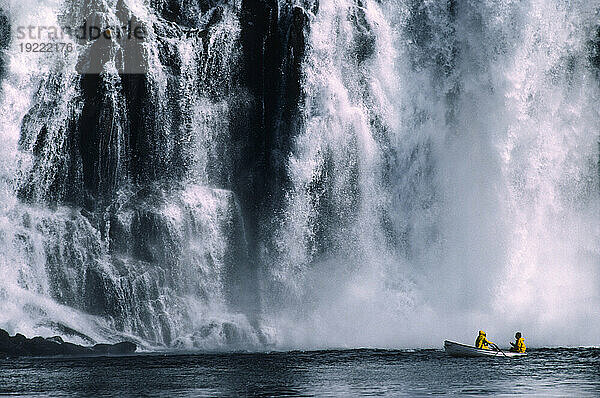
(445, 178)
(302, 174)
(116, 221)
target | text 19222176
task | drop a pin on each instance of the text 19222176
(46, 47)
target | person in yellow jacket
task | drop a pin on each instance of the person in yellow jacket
(519, 345)
(482, 341)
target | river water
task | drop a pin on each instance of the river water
(364, 372)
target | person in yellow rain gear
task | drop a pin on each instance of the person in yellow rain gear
(519, 345)
(482, 341)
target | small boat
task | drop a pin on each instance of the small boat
(462, 350)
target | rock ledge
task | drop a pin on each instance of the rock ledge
(19, 345)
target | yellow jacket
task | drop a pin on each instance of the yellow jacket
(519, 346)
(482, 341)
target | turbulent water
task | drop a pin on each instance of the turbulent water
(333, 173)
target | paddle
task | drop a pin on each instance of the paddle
(498, 349)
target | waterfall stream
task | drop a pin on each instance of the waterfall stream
(333, 173)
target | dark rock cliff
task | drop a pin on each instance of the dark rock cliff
(19, 345)
(4, 40)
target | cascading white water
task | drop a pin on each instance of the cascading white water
(467, 136)
(338, 263)
(163, 278)
(549, 154)
(443, 179)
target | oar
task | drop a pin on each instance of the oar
(498, 348)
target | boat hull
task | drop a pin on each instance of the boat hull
(462, 350)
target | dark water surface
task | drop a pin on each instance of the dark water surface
(546, 372)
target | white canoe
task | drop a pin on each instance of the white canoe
(462, 350)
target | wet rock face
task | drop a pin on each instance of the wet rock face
(183, 12)
(94, 139)
(123, 129)
(273, 46)
(19, 345)
(4, 40)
